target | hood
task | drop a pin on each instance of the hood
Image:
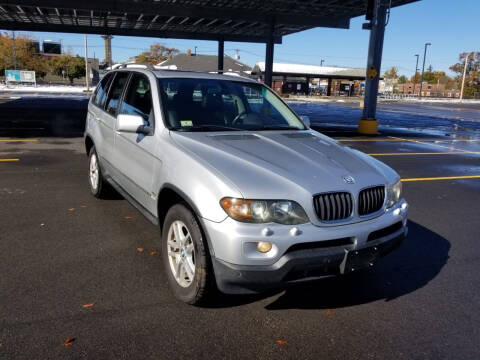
(280, 164)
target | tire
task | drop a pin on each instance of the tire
(179, 260)
(98, 187)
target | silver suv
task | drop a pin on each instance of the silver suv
(247, 197)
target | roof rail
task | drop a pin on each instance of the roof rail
(146, 65)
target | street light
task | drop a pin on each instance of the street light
(415, 76)
(423, 68)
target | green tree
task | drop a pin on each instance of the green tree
(157, 54)
(27, 58)
(472, 78)
(433, 77)
(402, 79)
(72, 66)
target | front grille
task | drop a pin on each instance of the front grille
(371, 200)
(333, 206)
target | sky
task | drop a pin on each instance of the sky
(451, 26)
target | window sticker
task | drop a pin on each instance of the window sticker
(186, 123)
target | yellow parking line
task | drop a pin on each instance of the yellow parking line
(443, 178)
(425, 153)
(18, 140)
(451, 148)
(9, 160)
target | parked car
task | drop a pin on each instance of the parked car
(247, 196)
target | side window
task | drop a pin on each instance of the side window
(115, 92)
(138, 98)
(100, 93)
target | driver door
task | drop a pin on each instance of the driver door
(135, 153)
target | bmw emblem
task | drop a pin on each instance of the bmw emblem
(349, 179)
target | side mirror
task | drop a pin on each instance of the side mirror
(132, 124)
(306, 120)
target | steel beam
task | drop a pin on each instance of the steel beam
(100, 30)
(368, 124)
(171, 9)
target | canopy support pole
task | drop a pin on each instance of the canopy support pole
(269, 56)
(368, 124)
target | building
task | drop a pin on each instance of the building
(428, 90)
(307, 79)
(207, 63)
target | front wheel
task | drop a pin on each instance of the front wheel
(185, 256)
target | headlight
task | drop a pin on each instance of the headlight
(393, 193)
(264, 211)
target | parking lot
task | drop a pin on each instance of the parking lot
(76, 267)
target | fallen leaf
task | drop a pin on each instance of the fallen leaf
(69, 341)
(89, 305)
(128, 217)
(140, 249)
(42, 224)
(71, 209)
(329, 312)
(153, 252)
(83, 206)
(281, 342)
(1, 345)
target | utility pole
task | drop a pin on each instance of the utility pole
(195, 51)
(423, 68)
(321, 62)
(415, 77)
(464, 74)
(14, 52)
(86, 65)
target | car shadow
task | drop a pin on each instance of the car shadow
(412, 266)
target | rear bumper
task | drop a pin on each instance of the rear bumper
(302, 265)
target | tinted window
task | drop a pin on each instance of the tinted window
(138, 98)
(116, 92)
(101, 92)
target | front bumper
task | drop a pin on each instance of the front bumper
(309, 255)
(301, 265)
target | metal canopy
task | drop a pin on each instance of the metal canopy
(229, 20)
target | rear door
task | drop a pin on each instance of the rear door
(108, 119)
(103, 139)
(135, 153)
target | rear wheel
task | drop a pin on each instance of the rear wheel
(98, 186)
(185, 256)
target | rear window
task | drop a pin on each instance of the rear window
(100, 94)
(115, 92)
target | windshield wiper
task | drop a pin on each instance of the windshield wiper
(206, 127)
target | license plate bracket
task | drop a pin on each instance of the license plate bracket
(359, 259)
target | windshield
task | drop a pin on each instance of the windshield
(222, 105)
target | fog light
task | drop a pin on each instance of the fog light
(396, 212)
(264, 246)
